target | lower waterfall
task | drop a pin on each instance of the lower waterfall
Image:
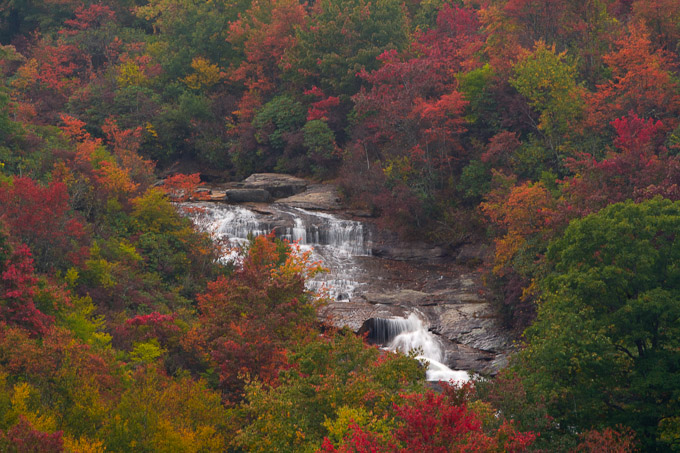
(411, 334)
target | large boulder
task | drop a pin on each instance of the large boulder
(278, 185)
(322, 197)
(247, 195)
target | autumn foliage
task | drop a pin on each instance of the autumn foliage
(500, 122)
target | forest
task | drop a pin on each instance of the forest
(548, 129)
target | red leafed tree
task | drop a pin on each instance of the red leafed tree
(54, 71)
(639, 168)
(125, 144)
(413, 115)
(22, 437)
(181, 187)
(249, 320)
(40, 216)
(620, 440)
(432, 423)
(154, 325)
(18, 286)
(662, 18)
(642, 82)
(263, 33)
(320, 109)
(93, 174)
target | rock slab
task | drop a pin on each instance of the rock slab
(317, 197)
(278, 185)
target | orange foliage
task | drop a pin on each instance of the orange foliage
(528, 209)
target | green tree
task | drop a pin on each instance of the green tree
(605, 348)
(548, 81)
(331, 380)
(344, 37)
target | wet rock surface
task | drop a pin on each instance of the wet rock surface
(443, 286)
(449, 296)
(278, 185)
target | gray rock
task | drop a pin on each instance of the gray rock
(472, 253)
(247, 195)
(473, 324)
(278, 185)
(404, 297)
(415, 252)
(353, 314)
(317, 197)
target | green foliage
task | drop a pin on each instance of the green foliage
(80, 318)
(332, 379)
(279, 116)
(475, 181)
(343, 38)
(476, 86)
(604, 349)
(548, 81)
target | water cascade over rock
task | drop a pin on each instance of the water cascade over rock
(333, 241)
(411, 334)
(405, 295)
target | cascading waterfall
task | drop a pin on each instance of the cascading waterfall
(333, 241)
(336, 243)
(409, 334)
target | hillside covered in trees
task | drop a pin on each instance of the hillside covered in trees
(547, 128)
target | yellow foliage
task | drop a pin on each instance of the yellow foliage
(20, 399)
(26, 75)
(130, 74)
(205, 74)
(83, 445)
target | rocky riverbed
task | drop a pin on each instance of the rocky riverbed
(389, 278)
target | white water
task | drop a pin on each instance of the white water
(333, 241)
(336, 243)
(411, 334)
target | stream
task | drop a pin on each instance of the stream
(344, 247)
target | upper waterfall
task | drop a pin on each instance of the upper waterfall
(334, 241)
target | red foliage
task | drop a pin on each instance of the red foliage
(125, 144)
(154, 325)
(181, 187)
(249, 319)
(320, 109)
(39, 216)
(23, 438)
(17, 289)
(434, 423)
(608, 440)
(92, 16)
(500, 149)
(642, 83)
(639, 169)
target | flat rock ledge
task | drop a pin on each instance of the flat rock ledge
(278, 188)
(317, 197)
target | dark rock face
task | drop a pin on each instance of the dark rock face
(447, 295)
(247, 195)
(278, 186)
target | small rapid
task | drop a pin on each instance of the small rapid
(412, 334)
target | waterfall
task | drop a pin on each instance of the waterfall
(334, 241)
(411, 334)
(338, 244)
